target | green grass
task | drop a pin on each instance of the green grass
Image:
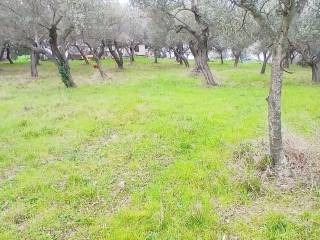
(144, 153)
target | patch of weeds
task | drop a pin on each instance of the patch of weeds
(40, 133)
(23, 123)
(185, 147)
(264, 163)
(251, 185)
(196, 217)
(152, 236)
(276, 226)
(85, 221)
(20, 218)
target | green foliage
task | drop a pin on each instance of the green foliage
(65, 75)
(143, 155)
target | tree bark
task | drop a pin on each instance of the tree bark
(236, 61)
(2, 53)
(236, 53)
(98, 62)
(315, 73)
(8, 55)
(34, 64)
(199, 50)
(221, 57)
(155, 55)
(97, 56)
(131, 48)
(180, 58)
(60, 58)
(279, 50)
(274, 105)
(82, 54)
(176, 56)
(116, 54)
(130, 51)
(266, 57)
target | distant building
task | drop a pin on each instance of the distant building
(140, 50)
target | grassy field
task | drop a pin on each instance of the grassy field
(144, 154)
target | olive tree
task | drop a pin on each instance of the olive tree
(305, 38)
(188, 16)
(134, 30)
(275, 19)
(44, 27)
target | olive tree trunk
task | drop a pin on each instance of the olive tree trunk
(315, 73)
(266, 57)
(236, 53)
(221, 57)
(34, 64)
(274, 105)
(59, 54)
(2, 53)
(9, 55)
(131, 54)
(115, 53)
(178, 52)
(82, 54)
(199, 50)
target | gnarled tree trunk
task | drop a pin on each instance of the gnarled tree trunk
(199, 50)
(60, 57)
(116, 54)
(178, 52)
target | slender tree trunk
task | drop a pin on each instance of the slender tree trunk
(292, 57)
(132, 54)
(315, 73)
(274, 104)
(264, 66)
(2, 53)
(176, 56)
(236, 60)
(185, 61)
(98, 62)
(8, 55)
(34, 64)
(236, 53)
(221, 57)
(266, 57)
(155, 55)
(258, 56)
(82, 54)
(97, 55)
(116, 54)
